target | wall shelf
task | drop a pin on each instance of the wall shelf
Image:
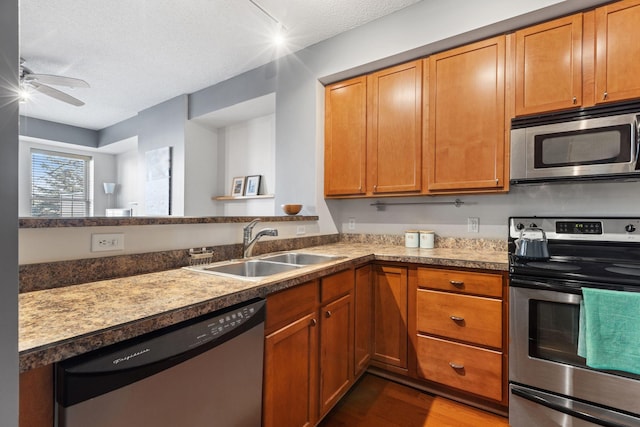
(232, 198)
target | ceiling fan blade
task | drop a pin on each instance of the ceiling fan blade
(57, 80)
(55, 93)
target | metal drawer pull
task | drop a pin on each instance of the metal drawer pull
(457, 318)
(328, 313)
(457, 283)
(456, 366)
(314, 322)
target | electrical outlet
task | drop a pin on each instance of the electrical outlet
(107, 242)
(473, 225)
(352, 224)
(301, 230)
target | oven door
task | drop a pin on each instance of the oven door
(543, 349)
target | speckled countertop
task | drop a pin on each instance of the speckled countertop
(56, 324)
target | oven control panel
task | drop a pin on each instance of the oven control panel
(599, 229)
(579, 227)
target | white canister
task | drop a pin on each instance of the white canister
(427, 238)
(411, 238)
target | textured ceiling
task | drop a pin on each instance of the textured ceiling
(138, 53)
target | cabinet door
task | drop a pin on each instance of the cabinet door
(394, 140)
(290, 374)
(363, 319)
(390, 316)
(345, 137)
(37, 397)
(617, 51)
(549, 66)
(336, 351)
(467, 117)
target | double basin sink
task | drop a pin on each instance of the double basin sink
(256, 269)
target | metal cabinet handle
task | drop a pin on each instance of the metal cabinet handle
(328, 313)
(457, 318)
(314, 322)
(575, 100)
(457, 283)
(605, 95)
(375, 187)
(456, 365)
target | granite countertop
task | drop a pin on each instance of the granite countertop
(59, 323)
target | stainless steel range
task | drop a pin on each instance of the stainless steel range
(550, 382)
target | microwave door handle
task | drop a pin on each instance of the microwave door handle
(583, 414)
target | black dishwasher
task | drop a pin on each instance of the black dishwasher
(202, 372)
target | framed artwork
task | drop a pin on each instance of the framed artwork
(237, 186)
(252, 186)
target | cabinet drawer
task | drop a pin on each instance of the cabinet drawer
(461, 281)
(290, 304)
(464, 367)
(462, 317)
(336, 285)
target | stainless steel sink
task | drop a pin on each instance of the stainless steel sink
(300, 258)
(256, 269)
(248, 269)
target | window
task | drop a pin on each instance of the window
(60, 184)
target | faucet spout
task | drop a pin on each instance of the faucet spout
(248, 242)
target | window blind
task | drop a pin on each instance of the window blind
(59, 184)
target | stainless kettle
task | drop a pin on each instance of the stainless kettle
(532, 244)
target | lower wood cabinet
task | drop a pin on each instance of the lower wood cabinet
(309, 350)
(36, 397)
(363, 339)
(390, 337)
(461, 331)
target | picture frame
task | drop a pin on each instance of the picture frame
(252, 186)
(237, 186)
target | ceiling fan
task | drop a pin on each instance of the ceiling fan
(40, 82)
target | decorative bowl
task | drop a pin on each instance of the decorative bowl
(291, 209)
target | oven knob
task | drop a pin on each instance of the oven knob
(630, 228)
(519, 226)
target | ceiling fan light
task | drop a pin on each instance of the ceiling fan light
(24, 94)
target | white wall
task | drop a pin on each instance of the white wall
(250, 150)
(104, 170)
(160, 126)
(580, 199)
(201, 177)
(127, 179)
(67, 243)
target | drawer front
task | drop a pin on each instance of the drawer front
(336, 285)
(460, 366)
(463, 317)
(461, 281)
(290, 304)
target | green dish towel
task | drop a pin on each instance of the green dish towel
(609, 336)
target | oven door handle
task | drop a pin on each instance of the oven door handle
(583, 414)
(519, 282)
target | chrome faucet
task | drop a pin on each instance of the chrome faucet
(248, 242)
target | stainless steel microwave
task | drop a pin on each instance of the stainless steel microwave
(586, 145)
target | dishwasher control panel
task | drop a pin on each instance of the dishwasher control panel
(170, 342)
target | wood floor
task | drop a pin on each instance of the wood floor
(377, 402)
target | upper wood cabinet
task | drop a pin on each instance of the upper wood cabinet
(394, 129)
(549, 66)
(345, 137)
(466, 138)
(617, 51)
